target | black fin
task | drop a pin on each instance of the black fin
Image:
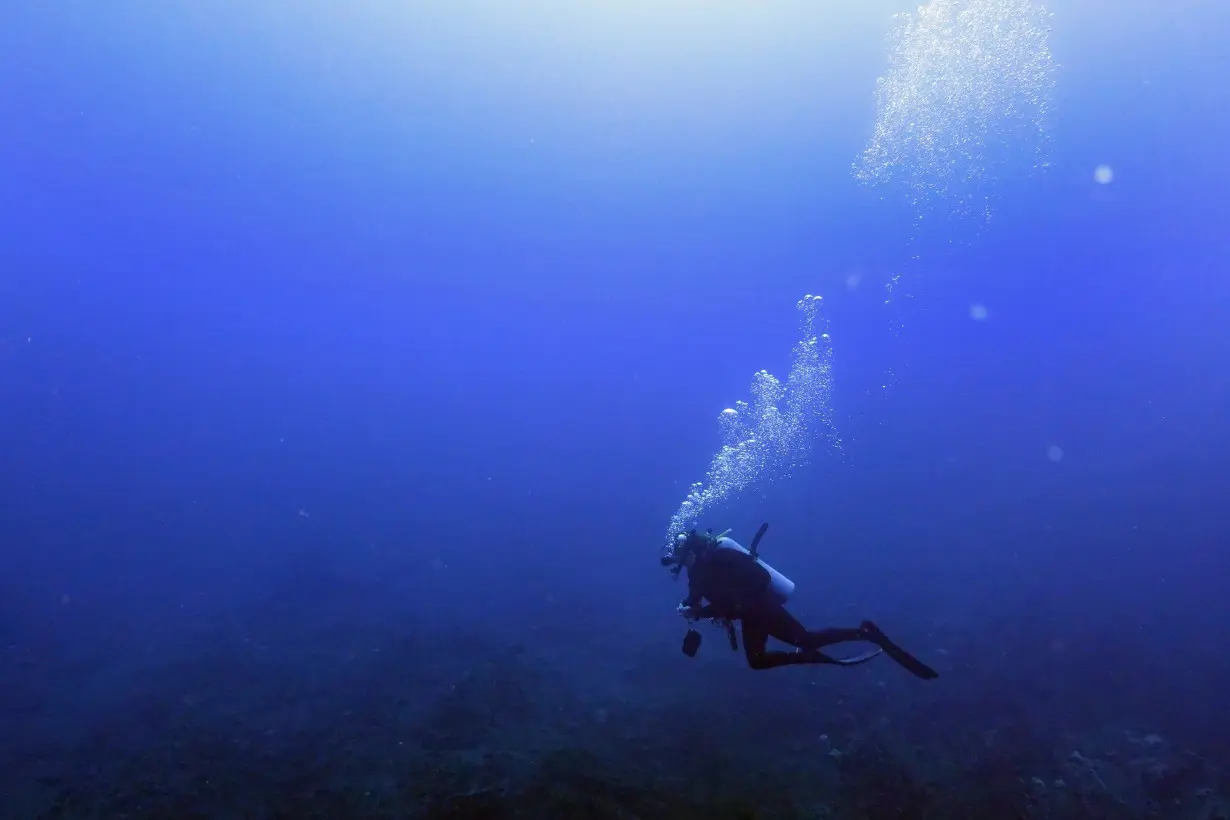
(857, 659)
(904, 659)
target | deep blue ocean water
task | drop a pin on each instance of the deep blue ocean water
(354, 357)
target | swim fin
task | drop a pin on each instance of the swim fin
(857, 659)
(911, 664)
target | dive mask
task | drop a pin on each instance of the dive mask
(686, 544)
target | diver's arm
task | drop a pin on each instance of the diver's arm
(694, 603)
(693, 607)
(694, 595)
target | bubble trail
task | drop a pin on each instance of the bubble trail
(965, 102)
(771, 436)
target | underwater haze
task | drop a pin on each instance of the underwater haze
(359, 363)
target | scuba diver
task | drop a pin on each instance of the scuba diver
(739, 586)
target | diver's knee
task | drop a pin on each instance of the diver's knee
(758, 661)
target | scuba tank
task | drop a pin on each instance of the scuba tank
(779, 584)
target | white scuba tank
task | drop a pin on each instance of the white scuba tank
(780, 585)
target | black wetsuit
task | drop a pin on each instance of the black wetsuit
(737, 588)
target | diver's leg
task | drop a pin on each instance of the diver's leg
(772, 658)
(754, 640)
(757, 626)
(773, 620)
(787, 629)
(816, 638)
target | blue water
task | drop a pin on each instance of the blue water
(353, 358)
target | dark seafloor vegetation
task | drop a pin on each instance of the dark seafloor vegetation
(350, 714)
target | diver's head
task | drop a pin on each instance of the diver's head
(687, 548)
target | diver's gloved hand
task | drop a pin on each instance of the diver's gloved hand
(687, 611)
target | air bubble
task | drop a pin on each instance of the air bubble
(769, 437)
(965, 102)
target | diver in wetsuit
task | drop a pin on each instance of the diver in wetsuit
(738, 586)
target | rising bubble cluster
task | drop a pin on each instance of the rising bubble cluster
(772, 435)
(965, 102)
